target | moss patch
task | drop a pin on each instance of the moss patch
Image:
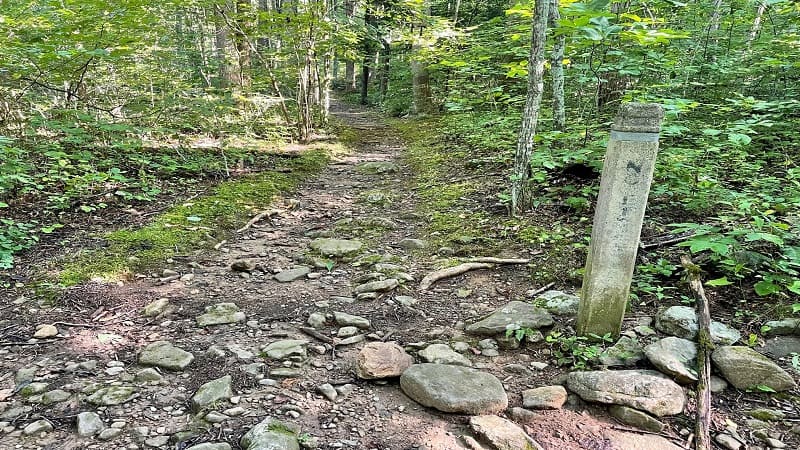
(199, 223)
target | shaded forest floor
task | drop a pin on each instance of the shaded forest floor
(398, 204)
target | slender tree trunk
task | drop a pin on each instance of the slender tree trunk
(456, 8)
(350, 65)
(713, 24)
(370, 21)
(386, 50)
(762, 7)
(520, 197)
(557, 69)
(244, 24)
(420, 77)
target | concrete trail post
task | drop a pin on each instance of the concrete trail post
(624, 186)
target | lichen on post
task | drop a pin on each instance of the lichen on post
(624, 186)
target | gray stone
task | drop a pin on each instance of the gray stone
(271, 434)
(336, 247)
(681, 321)
(89, 423)
(766, 414)
(166, 356)
(285, 372)
(745, 368)
(626, 352)
(377, 167)
(55, 396)
(347, 320)
(289, 275)
(157, 441)
(782, 327)
(109, 434)
(38, 427)
(34, 389)
(636, 418)
(718, 384)
(328, 391)
(316, 320)
(502, 434)
(405, 300)
(443, 354)
(211, 446)
(647, 390)
(780, 346)
(546, 397)
(156, 308)
(215, 417)
(559, 303)
(346, 332)
(412, 244)
(25, 374)
(220, 314)
(112, 395)
(675, 357)
(514, 315)
(45, 331)
(454, 389)
(382, 360)
(286, 348)
(212, 392)
(377, 286)
(729, 442)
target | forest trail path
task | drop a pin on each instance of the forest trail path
(368, 195)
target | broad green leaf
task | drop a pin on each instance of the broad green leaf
(719, 282)
(764, 288)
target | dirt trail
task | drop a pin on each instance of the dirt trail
(102, 330)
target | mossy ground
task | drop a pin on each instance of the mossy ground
(195, 224)
(463, 210)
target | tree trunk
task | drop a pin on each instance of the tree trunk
(370, 21)
(243, 25)
(350, 65)
(420, 77)
(456, 8)
(385, 64)
(520, 197)
(557, 69)
(762, 7)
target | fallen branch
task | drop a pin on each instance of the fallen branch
(491, 260)
(541, 289)
(658, 243)
(704, 348)
(316, 334)
(77, 325)
(255, 220)
(449, 272)
(220, 244)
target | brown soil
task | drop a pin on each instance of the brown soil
(103, 322)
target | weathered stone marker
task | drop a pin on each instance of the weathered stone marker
(624, 186)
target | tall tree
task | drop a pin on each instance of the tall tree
(520, 196)
(557, 68)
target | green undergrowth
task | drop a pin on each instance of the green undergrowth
(195, 224)
(460, 204)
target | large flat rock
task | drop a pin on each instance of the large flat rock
(502, 434)
(681, 321)
(336, 247)
(454, 389)
(647, 390)
(675, 357)
(220, 314)
(166, 356)
(745, 368)
(271, 434)
(514, 315)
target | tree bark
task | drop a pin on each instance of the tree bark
(756, 28)
(350, 65)
(420, 77)
(530, 117)
(557, 69)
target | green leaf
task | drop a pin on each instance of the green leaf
(3, 205)
(764, 288)
(794, 287)
(765, 388)
(739, 139)
(719, 282)
(194, 219)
